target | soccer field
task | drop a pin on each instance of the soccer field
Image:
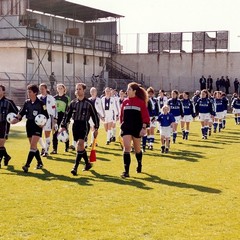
(192, 192)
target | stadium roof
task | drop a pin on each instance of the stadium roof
(71, 10)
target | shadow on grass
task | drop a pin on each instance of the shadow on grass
(156, 179)
(81, 180)
(184, 155)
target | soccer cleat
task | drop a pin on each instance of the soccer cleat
(113, 139)
(42, 152)
(139, 168)
(125, 175)
(74, 172)
(39, 166)
(162, 149)
(108, 142)
(166, 150)
(53, 152)
(25, 169)
(174, 140)
(72, 148)
(87, 167)
(144, 149)
(66, 150)
(151, 147)
(45, 154)
(6, 160)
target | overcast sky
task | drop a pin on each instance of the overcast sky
(142, 16)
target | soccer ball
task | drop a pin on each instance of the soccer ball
(63, 136)
(40, 120)
(11, 116)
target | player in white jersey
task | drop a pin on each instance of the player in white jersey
(109, 107)
(114, 95)
(99, 108)
(50, 103)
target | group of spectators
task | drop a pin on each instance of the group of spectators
(221, 84)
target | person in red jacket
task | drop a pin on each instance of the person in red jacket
(134, 119)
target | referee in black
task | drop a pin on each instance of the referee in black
(6, 106)
(31, 108)
(80, 110)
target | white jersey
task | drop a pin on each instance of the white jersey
(161, 102)
(109, 108)
(50, 105)
(98, 105)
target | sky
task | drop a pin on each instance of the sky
(142, 16)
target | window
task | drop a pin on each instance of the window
(101, 61)
(29, 53)
(84, 60)
(69, 58)
(50, 56)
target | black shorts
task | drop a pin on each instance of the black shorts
(4, 130)
(80, 130)
(135, 132)
(33, 129)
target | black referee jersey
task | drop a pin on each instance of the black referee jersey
(6, 106)
(81, 110)
(32, 109)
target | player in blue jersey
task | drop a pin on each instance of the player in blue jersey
(166, 121)
(236, 108)
(219, 110)
(153, 113)
(189, 114)
(176, 109)
(204, 108)
(226, 104)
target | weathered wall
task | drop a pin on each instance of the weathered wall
(182, 70)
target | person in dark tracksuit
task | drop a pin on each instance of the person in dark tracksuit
(6, 106)
(80, 110)
(31, 108)
(62, 102)
(134, 119)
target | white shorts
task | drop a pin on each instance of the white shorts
(236, 111)
(205, 116)
(153, 123)
(219, 115)
(177, 119)
(165, 131)
(49, 124)
(187, 118)
(108, 116)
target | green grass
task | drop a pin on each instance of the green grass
(191, 193)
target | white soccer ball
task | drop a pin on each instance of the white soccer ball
(40, 120)
(11, 116)
(63, 136)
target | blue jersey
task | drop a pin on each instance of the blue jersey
(152, 107)
(176, 107)
(225, 103)
(165, 120)
(188, 108)
(204, 105)
(219, 105)
(236, 103)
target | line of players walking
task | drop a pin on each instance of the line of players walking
(165, 113)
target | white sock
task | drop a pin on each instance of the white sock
(114, 132)
(48, 142)
(108, 135)
(41, 142)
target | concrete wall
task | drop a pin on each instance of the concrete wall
(182, 71)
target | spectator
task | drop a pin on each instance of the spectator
(209, 83)
(236, 85)
(202, 82)
(52, 80)
(218, 84)
(222, 84)
(227, 85)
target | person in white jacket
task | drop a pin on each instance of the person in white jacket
(50, 103)
(99, 108)
(110, 108)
